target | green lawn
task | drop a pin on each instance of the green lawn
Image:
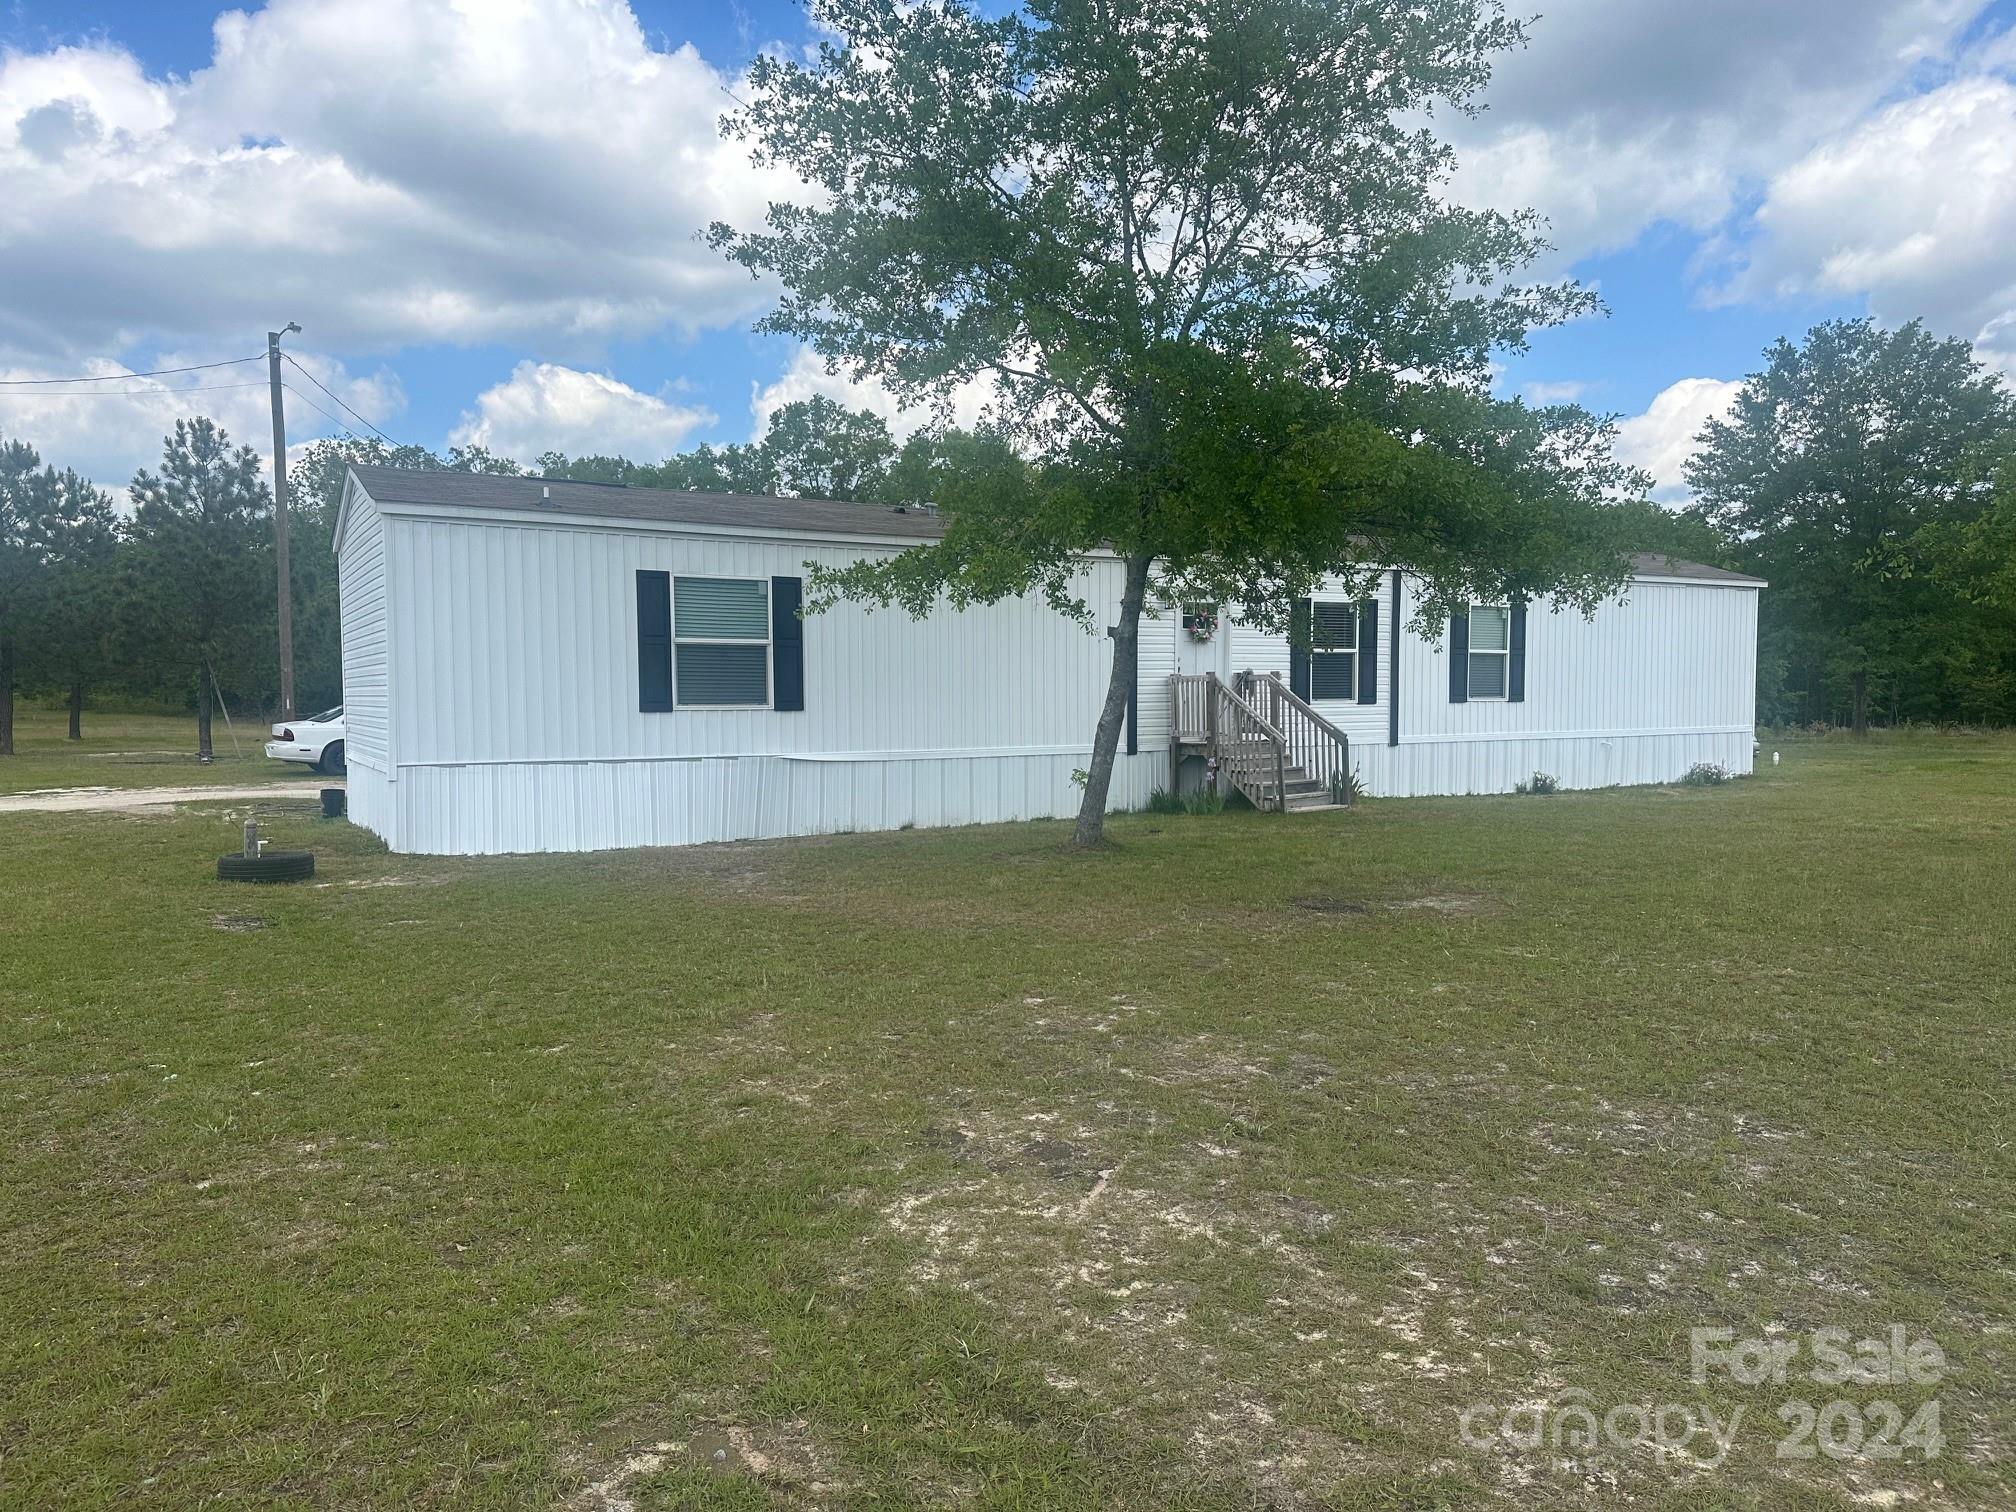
(133, 750)
(1225, 1169)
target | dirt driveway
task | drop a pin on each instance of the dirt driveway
(113, 800)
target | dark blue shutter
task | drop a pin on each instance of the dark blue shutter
(654, 642)
(1393, 677)
(1368, 651)
(1515, 691)
(1301, 628)
(1459, 655)
(787, 644)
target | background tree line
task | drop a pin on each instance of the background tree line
(173, 603)
(1869, 475)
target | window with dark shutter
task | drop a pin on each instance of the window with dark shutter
(721, 642)
(1333, 652)
(654, 642)
(1368, 651)
(1490, 651)
(787, 644)
(1298, 648)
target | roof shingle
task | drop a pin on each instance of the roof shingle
(608, 501)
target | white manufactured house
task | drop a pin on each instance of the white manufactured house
(534, 665)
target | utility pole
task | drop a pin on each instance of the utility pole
(280, 522)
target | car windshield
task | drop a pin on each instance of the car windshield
(327, 716)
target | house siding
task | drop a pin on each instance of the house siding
(364, 615)
(1658, 679)
(491, 679)
(514, 678)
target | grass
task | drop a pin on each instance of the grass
(1223, 1169)
(133, 750)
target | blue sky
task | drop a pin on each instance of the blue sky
(483, 220)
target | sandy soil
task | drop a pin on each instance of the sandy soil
(111, 800)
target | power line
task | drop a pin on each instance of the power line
(289, 356)
(146, 393)
(199, 367)
(314, 406)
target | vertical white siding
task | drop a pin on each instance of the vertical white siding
(515, 700)
(519, 643)
(364, 613)
(490, 672)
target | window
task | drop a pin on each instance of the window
(1333, 652)
(1490, 650)
(721, 636)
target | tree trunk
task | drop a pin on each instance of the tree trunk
(1861, 700)
(76, 708)
(203, 751)
(6, 698)
(1091, 828)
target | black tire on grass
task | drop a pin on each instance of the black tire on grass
(273, 866)
(331, 763)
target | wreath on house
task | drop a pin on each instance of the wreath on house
(1201, 623)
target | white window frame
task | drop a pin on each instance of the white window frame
(1504, 654)
(767, 643)
(1352, 613)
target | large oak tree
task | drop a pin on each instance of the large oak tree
(1202, 251)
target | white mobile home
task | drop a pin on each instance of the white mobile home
(536, 665)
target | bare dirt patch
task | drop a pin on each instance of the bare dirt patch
(1447, 905)
(1324, 905)
(781, 1456)
(97, 800)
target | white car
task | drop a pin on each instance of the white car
(317, 740)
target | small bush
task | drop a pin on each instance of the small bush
(1346, 787)
(1541, 783)
(1203, 801)
(1705, 774)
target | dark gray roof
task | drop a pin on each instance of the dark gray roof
(400, 485)
(1654, 564)
(608, 501)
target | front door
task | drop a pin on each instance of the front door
(1202, 641)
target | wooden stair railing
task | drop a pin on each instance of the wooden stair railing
(1313, 744)
(1251, 753)
(1267, 742)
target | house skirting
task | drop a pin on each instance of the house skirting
(1498, 763)
(501, 808)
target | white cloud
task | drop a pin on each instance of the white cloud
(1566, 391)
(109, 428)
(545, 407)
(389, 172)
(1915, 208)
(1618, 116)
(1662, 439)
(807, 376)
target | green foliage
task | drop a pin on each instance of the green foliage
(812, 448)
(1540, 784)
(1162, 801)
(1233, 325)
(56, 540)
(1346, 787)
(197, 585)
(1855, 473)
(1706, 774)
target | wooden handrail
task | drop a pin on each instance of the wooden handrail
(1225, 689)
(1267, 726)
(1303, 704)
